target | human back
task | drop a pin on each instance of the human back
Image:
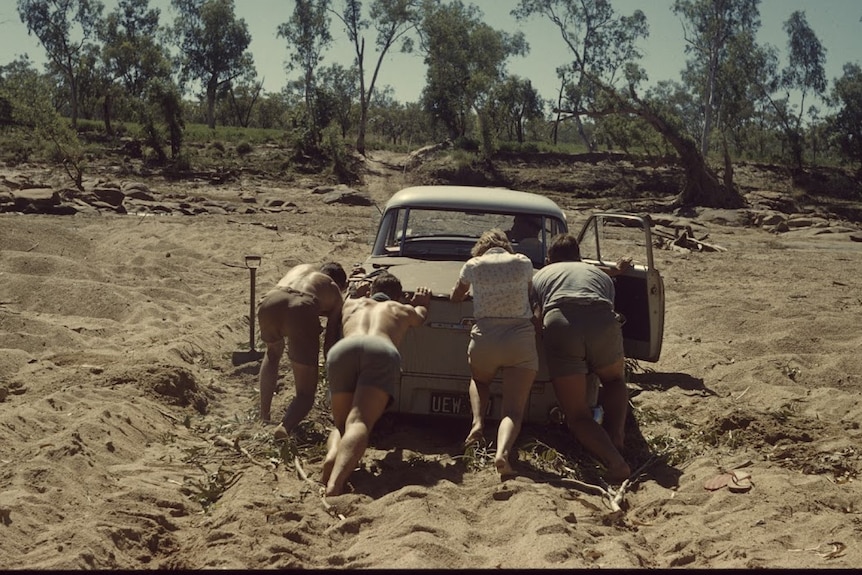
(308, 278)
(383, 314)
(572, 281)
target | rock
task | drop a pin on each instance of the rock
(351, 198)
(806, 222)
(35, 200)
(109, 195)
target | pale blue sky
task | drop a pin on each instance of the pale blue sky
(836, 23)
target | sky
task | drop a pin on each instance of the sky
(835, 22)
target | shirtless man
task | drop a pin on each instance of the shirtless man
(363, 369)
(292, 310)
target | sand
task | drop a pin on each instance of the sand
(129, 440)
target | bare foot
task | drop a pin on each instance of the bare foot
(476, 435)
(328, 464)
(618, 472)
(280, 433)
(503, 466)
(334, 490)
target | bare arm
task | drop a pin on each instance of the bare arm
(333, 327)
(619, 268)
(420, 300)
(333, 332)
(459, 292)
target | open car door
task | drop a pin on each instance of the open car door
(605, 238)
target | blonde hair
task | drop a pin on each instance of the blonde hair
(494, 238)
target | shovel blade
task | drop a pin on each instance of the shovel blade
(248, 356)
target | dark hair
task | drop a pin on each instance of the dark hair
(388, 284)
(336, 272)
(564, 248)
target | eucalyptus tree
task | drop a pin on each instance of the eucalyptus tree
(514, 104)
(341, 87)
(308, 37)
(132, 55)
(846, 125)
(465, 59)
(709, 27)
(65, 29)
(28, 96)
(615, 92)
(213, 46)
(805, 73)
(600, 42)
(393, 20)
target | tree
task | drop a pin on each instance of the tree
(702, 187)
(709, 26)
(307, 32)
(393, 20)
(515, 103)
(846, 126)
(339, 84)
(52, 23)
(131, 55)
(804, 72)
(29, 95)
(600, 42)
(465, 59)
(213, 45)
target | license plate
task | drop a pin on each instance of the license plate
(454, 404)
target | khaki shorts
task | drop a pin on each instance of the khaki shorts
(363, 360)
(581, 339)
(496, 343)
(288, 313)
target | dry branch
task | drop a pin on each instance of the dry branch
(329, 508)
(225, 442)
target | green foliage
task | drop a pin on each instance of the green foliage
(345, 165)
(64, 30)
(212, 487)
(846, 126)
(213, 45)
(244, 148)
(465, 58)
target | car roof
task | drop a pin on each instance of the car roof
(475, 198)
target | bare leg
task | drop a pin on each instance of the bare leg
(331, 451)
(268, 376)
(480, 394)
(516, 391)
(369, 403)
(305, 378)
(341, 404)
(571, 392)
(615, 400)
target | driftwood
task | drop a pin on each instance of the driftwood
(304, 476)
(225, 442)
(684, 240)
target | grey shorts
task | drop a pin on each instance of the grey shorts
(497, 343)
(288, 313)
(581, 339)
(363, 360)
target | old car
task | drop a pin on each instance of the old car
(425, 235)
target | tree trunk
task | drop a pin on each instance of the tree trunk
(702, 187)
(363, 120)
(591, 145)
(73, 84)
(212, 87)
(107, 104)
